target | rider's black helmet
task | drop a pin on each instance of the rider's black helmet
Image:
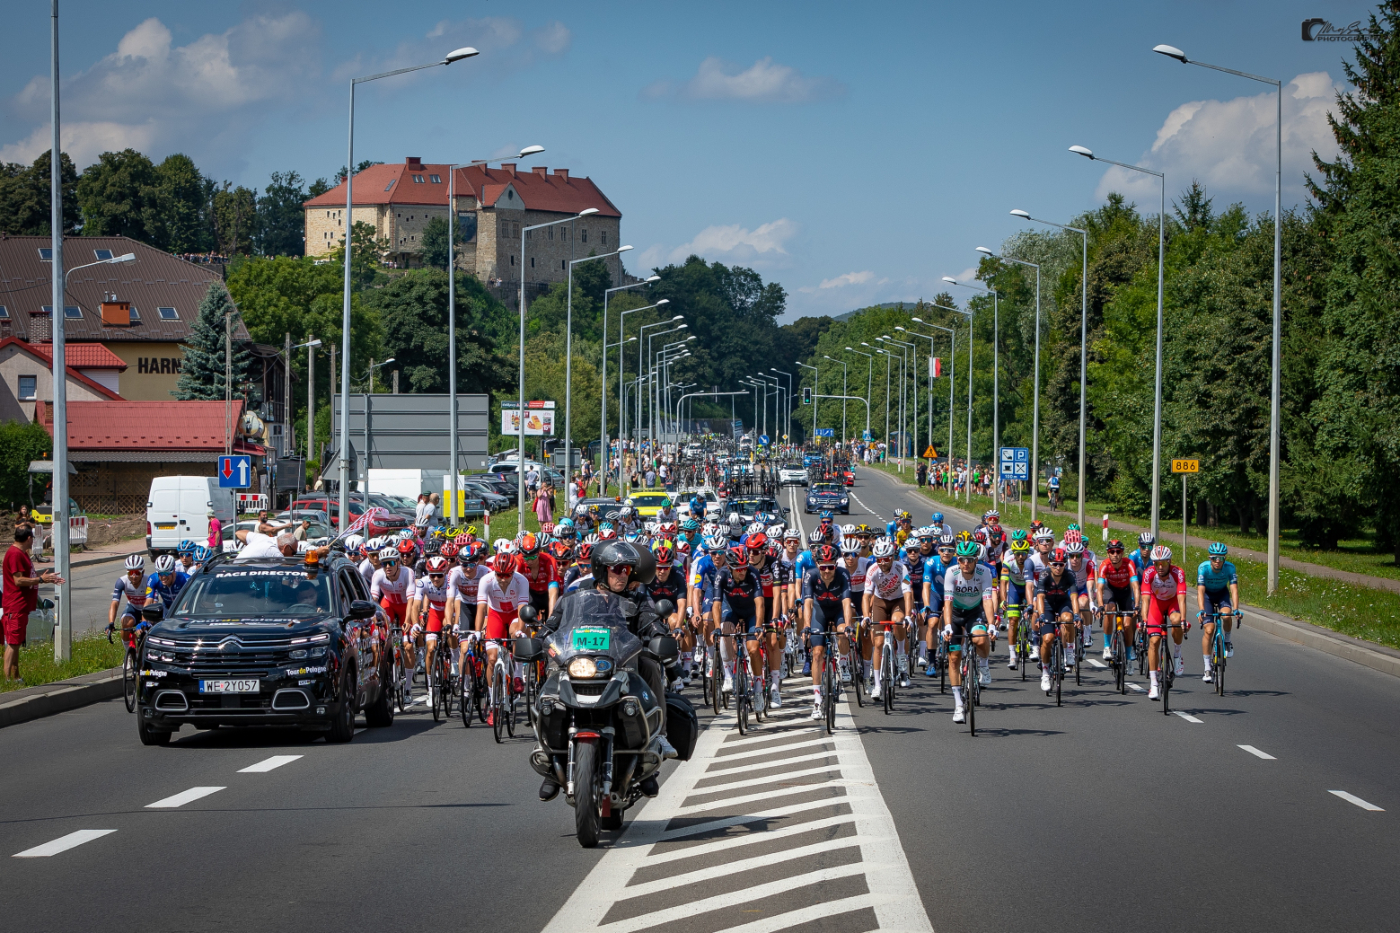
(616, 552)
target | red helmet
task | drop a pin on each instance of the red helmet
(739, 556)
(1057, 556)
(528, 544)
(462, 539)
(826, 554)
(663, 553)
(448, 549)
(407, 547)
(507, 563)
(585, 552)
(756, 541)
(561, 550)
(437, 565)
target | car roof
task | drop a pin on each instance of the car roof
(651, 495)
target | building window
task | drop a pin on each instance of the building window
(551, 233)
(167, 314)
(605, 238)
(102, 254)
(46, 254)
(512, 260)
(583, 236)
(4, 313)
(532, 262)
(136, 315)
(69, 311)
(418, 179)
(563, 265)
(28, 388)
(435, 179)
(390, 184)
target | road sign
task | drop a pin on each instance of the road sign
(1015, 463)
(1186, 466)
(930, 453)
(235, 472)
(826, 432)
(867, 436)
(763, 439)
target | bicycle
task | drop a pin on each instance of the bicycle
(1218, 654)
(967, 668)
(135, 639)
(888, 669)
(855, 663)
(1119, 647)
(502, 697)
(440, 685)
(1057, 660)
(471, 683)
(831, 686)
(739, 672)
(1167, 662)
(1023, 646)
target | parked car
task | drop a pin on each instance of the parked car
(494, 501)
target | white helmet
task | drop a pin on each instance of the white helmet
(388, 553)
(1044, 534)
(503, 546)
(135, 562)
(792, 534)
(165, 564)
(406, 534)
(353, 542)
(1161, 552)
(1077, 547)
(756, 528)
(883, 547)
(848, 530)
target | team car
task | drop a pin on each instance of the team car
(648, 504)
(267, 642)
(823, 497)
(792, 474)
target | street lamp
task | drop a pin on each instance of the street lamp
(1277, 354)
(844, 391)
(569, 358)
(453, 56)
(1157, 394)
(369, 390)
(660, 401)
(996, 377)
(1035, 406)
(952, 373)
(869, 382)
(907, 350)
(452, 324)
(787, 420)
(645, 344)
(970, 314)
(879, 350)
(1083, 344)
(621, 401)
(603, 395)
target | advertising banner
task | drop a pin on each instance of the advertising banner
(538, 421)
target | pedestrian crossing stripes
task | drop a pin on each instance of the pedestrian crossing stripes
(780, 830)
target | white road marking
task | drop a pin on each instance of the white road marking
(1352, 798)
(276, 761)
(1257, 753)
(1099, 664)
(64, 843)
(182, 798)
(862, 504)
(1139, 689)
(1188, 718)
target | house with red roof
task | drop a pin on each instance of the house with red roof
(26, 375)
(493, 206)
(119, 446)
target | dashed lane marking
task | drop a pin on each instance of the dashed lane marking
(1137, 688)
(1352, 798)
(1257, 753)
(182, 798)
(64, 843)
(1099, 664)
(270, 764)
(782, 829)
(1186, 716)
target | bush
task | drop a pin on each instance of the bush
(19, 444)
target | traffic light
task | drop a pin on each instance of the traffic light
(806, 395)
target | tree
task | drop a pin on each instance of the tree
(25, 205)
(281, 217)
(20, 443)
(413, 312)
(365, 258)
(203, 371)
(359, 167)
(318, 187)
(118, 196)
(177, 213)
(434, 242)
(235, 215)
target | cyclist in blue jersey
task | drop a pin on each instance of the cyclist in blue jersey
(1217, 590)
(935, 571)
(918, 550)
(165, 584)
(703, 571)
(1142, 557)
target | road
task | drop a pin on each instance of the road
(1099, 815)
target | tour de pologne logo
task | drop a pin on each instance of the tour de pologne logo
(1320, 30)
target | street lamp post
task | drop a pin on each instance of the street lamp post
(1277, 353)
(344, 496)
(787, 420)
(869, 380)
(1083, 344)
(1157, 393)
(659, 399)
(369, 391)
(1035, 406)
(886, 354)
(816, 390)
(569, 359)
(907, 358)
(644, 343)
(969, 314)
(621, 375)
(915, 366)
(952, 375)
(845, 369)
(603, 395)
(996, 383)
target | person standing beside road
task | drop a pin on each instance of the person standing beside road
(422, 514)
(20, 597)
(216, 531)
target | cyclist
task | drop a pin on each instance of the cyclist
(185, 553)
(776, 584)
(499, 596)
(165, 584)
(128, 585)
(1118, 585)
(1142, 557)
(1057, 595)
(430, 595)
(1217, 590)
(1053, 486)
(736, 598)
(1162, 602)
(826, 598)
(462, 583)
(856, 568)
(1042, 542)
(969, 591)
(938, 525)
(542, 571)
(996, 537)
(370, 563)
(914, 554)
(1081, 564)
(935, 571)
(888, 597)
(1016, 584)
(669, 583)
(391, 587)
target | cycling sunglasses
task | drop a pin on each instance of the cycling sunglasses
(883, 560)
(1115, 550)
(1057, 563)
(826, 566)
(621, 569)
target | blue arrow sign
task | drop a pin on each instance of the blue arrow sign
(826, 432)
(235, 472)
(763, 439)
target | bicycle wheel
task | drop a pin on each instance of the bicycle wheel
(129, 674)
(1080, 661)
(717, 700)
(467, 685)
(498, 716)
(857, 677)
(887, 677)
(1057, 667)
(1120, 663)
(828, 699)
(1167, 676)
(1219, 660)
(435, 688)
(942, 666)
(1023, 647)
(450, 686)
(741, 695)
(512, 706)
(531, 689)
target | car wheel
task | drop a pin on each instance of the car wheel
(149, 735)
(381, 712)
(343, 726)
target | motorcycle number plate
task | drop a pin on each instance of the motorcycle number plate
(590, 638)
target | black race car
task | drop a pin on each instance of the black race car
(824, 497)
(267, 642)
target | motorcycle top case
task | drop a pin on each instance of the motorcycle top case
(682, 725)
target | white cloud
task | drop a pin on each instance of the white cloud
(968, 275)
(501, 40)
(732, 242)
(1229, 146)
(153, 95)
(762, 82)
(850, 278)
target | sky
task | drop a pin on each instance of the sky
(855, 153)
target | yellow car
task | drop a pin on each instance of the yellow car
(648, 504)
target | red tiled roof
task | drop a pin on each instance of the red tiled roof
(125, 425)
(81, 355)
(44, 358)
(539, 189)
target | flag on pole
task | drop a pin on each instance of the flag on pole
(935, 367)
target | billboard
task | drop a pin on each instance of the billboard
(538, 421)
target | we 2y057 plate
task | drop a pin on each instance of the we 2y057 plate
(242, 685)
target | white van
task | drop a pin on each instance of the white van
(177, 510)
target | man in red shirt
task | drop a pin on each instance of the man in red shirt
(542, 571)
(21, 596)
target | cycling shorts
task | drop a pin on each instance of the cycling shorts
(1054, 605)
(1158, 615)
(883, 610)
(540, 600)
(1121, 597)
(396, 610)
(1047, 625)
(966, 621)
(499, 621)
(745, 620)
(435, 617)
(1015, 594)
(1214, 602)
(825, 616)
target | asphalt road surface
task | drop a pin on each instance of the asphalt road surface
(1267, 809)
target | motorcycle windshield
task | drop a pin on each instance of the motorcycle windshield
(591, 622)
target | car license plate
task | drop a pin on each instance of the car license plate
(588, 638)
(228, 686)
(165, 527)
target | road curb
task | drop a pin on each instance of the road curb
(47, 699)
(1376, 657)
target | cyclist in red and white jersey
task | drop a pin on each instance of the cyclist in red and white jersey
(889, 597)
(427, 608)
(132, 586)
(856, 568)
(462, 584)
(1118, 587)
(392, 586)
(499, 596)
(1162, 604)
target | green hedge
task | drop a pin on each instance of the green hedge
(19, 444)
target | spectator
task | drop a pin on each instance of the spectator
(299, 532)
(216, 531)
(20, 597)
(26, 519)
(651, 478)
(422, 514)
(532, 480)
(544, 504)
(257, 545)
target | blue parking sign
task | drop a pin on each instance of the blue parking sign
(1015, 463)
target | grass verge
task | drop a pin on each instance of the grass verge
(1358, 611)
(91, 653)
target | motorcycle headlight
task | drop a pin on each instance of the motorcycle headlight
(583, 668)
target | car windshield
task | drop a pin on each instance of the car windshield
(826, 487)
(649, 498)
(255, 592)
(750, 506)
